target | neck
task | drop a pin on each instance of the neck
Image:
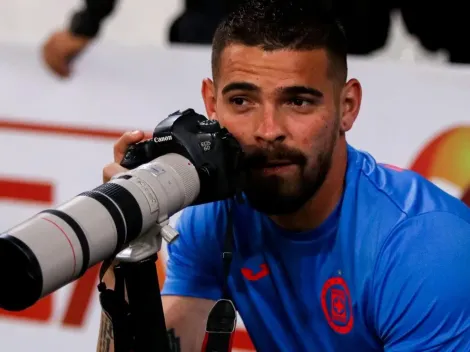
(322, 204)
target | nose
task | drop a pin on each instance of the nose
(270, 128)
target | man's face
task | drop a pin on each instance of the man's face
(283, 108)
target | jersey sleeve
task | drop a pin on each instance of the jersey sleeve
(194, 265)
(421, 286)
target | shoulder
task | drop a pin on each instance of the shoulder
(395, 208)
(425, 238)
(405, 190)
(202, 222)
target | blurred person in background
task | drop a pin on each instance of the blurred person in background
(196, 25)
(333, 251)
(366, 23)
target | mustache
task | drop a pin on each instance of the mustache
(255, 157)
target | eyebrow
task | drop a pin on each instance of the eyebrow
(297, 90)
(240, 86)
(290, 90)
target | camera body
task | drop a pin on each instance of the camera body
(214, 152)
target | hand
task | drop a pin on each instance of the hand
(120, 148)
(60, 49)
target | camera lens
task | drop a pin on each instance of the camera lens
(20, 275)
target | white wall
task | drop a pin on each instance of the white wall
(145, 22)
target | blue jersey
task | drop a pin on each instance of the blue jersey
(389, 270)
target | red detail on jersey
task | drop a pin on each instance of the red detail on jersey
(337, 306)
(251, 276)
(393, 167)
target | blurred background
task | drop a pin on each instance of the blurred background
(65, 98)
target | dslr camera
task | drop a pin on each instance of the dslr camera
(214, 152)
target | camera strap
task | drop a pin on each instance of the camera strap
(222, 320)
(116, 307)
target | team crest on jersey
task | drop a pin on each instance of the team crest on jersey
(337, 306)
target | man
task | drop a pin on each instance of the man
(333, 252)
(195, 25)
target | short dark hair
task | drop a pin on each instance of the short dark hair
(283, 24)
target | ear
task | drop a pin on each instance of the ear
(351, 98)
(209, 96)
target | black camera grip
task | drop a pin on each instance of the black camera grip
(134, 156)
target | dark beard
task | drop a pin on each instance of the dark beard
(265, 193)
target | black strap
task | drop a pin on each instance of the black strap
(227, 253)
(114, 305)
(222, 320)
(220, 328)
(104, 268)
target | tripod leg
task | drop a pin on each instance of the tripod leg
(145, 304)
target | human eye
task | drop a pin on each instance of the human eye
(241, 104)
(300, 102)
(238, 101)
